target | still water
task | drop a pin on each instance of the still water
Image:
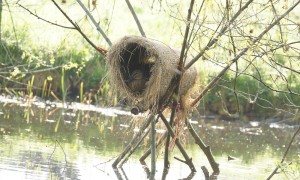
(45, 140)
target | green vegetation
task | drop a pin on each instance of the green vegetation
(252, 97)
(68, 68)
(259, 54)
(69, 72)
(27, 69)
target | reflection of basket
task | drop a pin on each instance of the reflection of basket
(157, 61)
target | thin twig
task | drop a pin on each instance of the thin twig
(188, 160)
(45, 20)
(135, 148)
(216, 79)
(275, 14)
(135, 18)
(13, 24)
(138, 145)
(166, 155)
(17, 82)
(234, 53)
(102, 51)
(283, 66)
(1, 5)
(186, 34)
(215, 39)
(111, 15)
(285, 154)
(180, 160)
(134, 140)
(148, 151)
(194, 34)
(50, 157)
(94, 22)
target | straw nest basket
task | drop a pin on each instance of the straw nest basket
(157, 61)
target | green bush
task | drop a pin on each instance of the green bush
(20, 62)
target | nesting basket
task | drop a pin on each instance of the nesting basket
(158, 62)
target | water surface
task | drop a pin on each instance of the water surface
(45, 140)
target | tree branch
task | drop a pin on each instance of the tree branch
(135, 18)
(215, 39)
(215, 80)
(188, 160)
(175, 86)
(134, 139)
(94, 22)
(102, 51)
(45, 20)
(186, 34)
(204, 148)
(285, 154)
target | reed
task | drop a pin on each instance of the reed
(30, 86)
(81, 92)
(63, 85)
(44, 90)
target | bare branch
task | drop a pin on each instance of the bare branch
(175, 85)
(206, 149)
(102, 51)
(45, 20)
(188, 160)
(285, 154)
(135, 18)
(259, 79)
(234, 53)
(134, 139)
(17, 82)
(94, 22)
(283, 66)
(12, 21)
(275, 13)
(215, 80)
(215, 39)
(186, 34)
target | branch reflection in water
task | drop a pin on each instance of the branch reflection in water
(91, 135)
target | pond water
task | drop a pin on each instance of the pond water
(44, 140)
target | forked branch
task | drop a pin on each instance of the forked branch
(175, 87)
(258, 38)
(188, 160)
(221, 33)
(102, 51)
(94, 22)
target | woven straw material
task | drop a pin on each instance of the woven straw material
(158, 62)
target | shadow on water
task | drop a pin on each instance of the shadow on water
(46, 140)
